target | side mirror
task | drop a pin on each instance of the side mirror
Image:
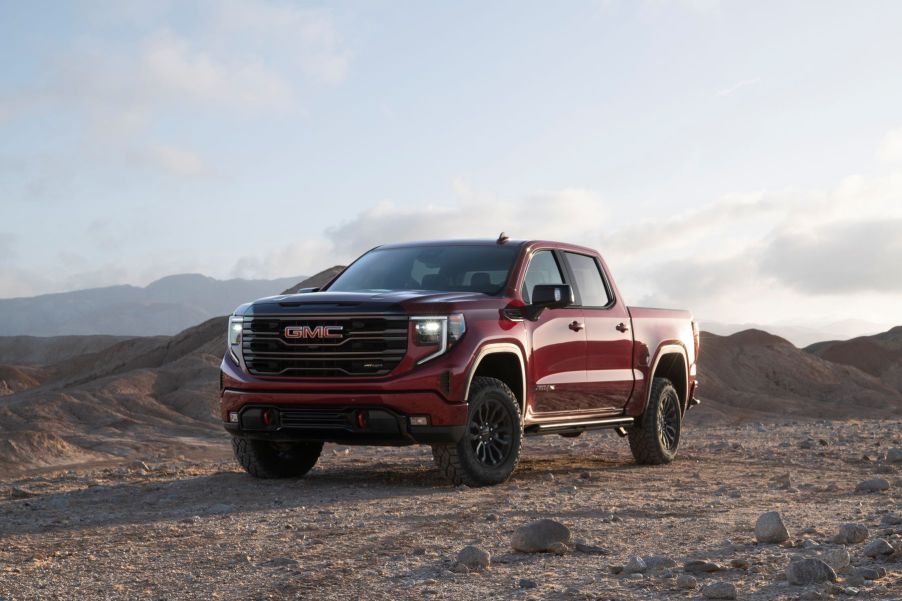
(548, 296)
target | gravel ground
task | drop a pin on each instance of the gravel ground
(379, 523)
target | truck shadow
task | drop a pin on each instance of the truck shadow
(179, 500)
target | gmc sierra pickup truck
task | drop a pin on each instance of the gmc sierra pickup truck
(467, 346)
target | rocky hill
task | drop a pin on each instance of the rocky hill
(753, 373)
(164, 307)
(879, 355)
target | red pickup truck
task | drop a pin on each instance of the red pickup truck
(465, 345)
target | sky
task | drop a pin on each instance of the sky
(741, 159)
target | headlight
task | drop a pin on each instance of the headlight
(441, 331)
(236, 325)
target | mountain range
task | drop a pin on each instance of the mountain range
(164, 307)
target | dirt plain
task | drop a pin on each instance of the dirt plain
(379, 523)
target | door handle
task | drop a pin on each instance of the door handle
(576, 326)
(621, 327)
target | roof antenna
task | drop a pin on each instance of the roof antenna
(503, 238)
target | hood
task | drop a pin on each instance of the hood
(399, 301)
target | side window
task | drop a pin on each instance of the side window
(587, 273)
(543, 269)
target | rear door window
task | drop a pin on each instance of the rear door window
(589, 281)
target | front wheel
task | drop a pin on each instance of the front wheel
(656, 438)
(263, 459)
(488, 452)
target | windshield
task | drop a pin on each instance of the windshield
(439, 268)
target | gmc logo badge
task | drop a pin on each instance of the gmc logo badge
(314, 332)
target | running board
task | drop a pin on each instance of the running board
(580, 426)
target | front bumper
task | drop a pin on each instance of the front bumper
(351, 418)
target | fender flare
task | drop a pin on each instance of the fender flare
(664, 350)
(494, 348)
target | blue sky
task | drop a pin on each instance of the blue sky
(743, 159)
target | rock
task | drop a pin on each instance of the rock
(783, 481)
(770, 528)
(659, 562)
(558, 548)
(719, 590)
(686, 581)
(894, 455)
(539, 536)
(854, 578)
(740, 564)
(474, 558)
(872, 485)
(836, 558)
(807, 444)
(138, 466)
(850, 534)
(527, 583)
(891, 519)
(810, 596)
(20, 493)
(635, 566)
(878, 548)
(871, 573)
(809, 571)
(698, 566)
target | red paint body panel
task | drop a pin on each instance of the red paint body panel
(599, 369)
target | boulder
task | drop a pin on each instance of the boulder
(770, 528)
(474, 559)
(540, 536)
(809, 571)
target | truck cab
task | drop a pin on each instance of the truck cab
(465, 345)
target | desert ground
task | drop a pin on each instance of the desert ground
(379, 523)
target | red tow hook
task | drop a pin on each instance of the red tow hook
(361, 420)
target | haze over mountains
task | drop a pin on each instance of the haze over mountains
(164, 307)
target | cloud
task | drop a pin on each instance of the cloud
(240, 58)
(548, 214)
(305, 36)
(838, 258)
(744, 83)
(174, 160)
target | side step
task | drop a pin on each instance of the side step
(580, 426)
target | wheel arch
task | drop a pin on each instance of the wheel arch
(503, 361)
(671, 363)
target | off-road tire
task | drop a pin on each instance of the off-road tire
(459, 462)
(645, 436)
(263, 459)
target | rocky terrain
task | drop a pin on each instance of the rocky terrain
(379, 523)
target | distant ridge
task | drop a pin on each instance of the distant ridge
(754, 373)
(164, 307)
(879, 355)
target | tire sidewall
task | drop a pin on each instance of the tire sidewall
(500, 473)
(668, 390)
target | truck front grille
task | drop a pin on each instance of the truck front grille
(367, 346)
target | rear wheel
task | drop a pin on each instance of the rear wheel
(656, 438)
(263, 459)
(488, 452)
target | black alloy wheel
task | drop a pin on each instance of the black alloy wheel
(491, 433)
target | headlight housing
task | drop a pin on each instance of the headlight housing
(236, 328)
(441, 331)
